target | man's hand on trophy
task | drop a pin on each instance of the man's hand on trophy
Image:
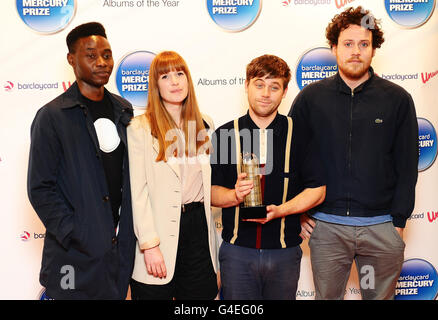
(273, 212)
(242, 187)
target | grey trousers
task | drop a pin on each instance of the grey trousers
(378, 251)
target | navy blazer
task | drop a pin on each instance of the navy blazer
(83, 258)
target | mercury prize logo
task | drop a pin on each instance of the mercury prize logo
(417, 281)
(234, 15)
(132, 77)
(410, 13)
(426, 143)
(46, 16)
(315, 64)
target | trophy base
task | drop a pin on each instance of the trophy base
(258, 212)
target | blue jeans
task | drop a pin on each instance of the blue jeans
(259, 274)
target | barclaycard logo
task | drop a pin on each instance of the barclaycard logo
(8, 86)
(234, 15)
(26, 236)
(339, 3)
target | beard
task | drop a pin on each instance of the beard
(353, 70)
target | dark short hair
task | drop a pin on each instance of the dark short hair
(268, 65)
(83, 31)
(358, 16)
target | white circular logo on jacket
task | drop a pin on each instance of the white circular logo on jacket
(107, 135)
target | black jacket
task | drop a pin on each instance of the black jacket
(68, 190)
(368, 143)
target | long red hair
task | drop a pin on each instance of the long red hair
(160, 121)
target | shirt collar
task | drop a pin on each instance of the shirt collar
(73, 98)
(343, 87)
(276, 125)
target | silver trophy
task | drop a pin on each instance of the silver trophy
(252, 206)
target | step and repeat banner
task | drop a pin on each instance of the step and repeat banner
(217, 38)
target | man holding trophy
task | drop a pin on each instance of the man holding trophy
(263, 177)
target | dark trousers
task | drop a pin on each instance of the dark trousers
(194, 277)
(259, 274)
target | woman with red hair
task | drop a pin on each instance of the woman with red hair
(170, 172)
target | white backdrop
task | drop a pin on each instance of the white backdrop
(34, 70)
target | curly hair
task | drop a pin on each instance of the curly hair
(358, 16)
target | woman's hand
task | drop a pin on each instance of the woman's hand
(155, 262)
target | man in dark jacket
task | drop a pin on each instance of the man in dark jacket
(78, 178)
(366, 131)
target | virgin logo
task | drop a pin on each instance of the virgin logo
(66, 85)
(341, 3)
(432, 216)
(426, 76)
